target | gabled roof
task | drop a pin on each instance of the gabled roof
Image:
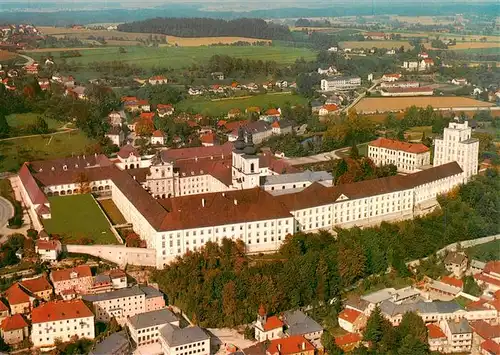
(272, 112)
(15, 295)
(158, 133)
(347, 339)
(272, 322)
(60, 310)
(350, 315)
(208, 138)
(330, 107)
(492, 267)
(485, 330)
(455, 258)
(434, 331)
(65, 274)
(175, 336)
(36, 285)
(127, 150)
(398, 145)
(35, 194)
(153, 318)
(452, 281)
(290, 345)
(298, 323)
(3, 307)
(13, 322)
(490, 347)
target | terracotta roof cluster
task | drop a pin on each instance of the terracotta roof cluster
(214, 209)
(398, 145)
(490, 347)
(485, 330)
(434, 331)
(350, 315)
(38, 284)
(13, 322)
(452, 281)
(60, 310)
(15, 295)
(291, 345)
(65, 274)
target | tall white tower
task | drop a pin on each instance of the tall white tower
(458, 145)
(245, 169)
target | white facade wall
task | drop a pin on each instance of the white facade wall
(73, 188)
(146, 335)
(201, 347)
(45, 334)
(293, 185)
(404, 161)
(314, 219)
(456, 145)
(120, 308)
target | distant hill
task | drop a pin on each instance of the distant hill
(209, 27)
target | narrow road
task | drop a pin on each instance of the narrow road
(37, 135)
(30, 60)
(375, 83)
(318, 158)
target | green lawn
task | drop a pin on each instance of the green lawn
(78, 216)
(113, 213)
(415, 133)
(363, 149)
(485, 252)
(183, 57)
(14, 152)
(22, 120)
(220, 108)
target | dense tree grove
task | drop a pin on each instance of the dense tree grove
(221, 286)
(208, 27)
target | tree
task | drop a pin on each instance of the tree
(412, 324)
(133, 240)
(471, 287)
(3, 346)
(83, 183)
(374, 327)
(144, 128)
(229, 303)
(40, 126)
(354, 152)
(4, 126)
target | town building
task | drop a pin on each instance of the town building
(4, 311)
(183, 341)
(406, 91)
(340, 83)
(14, 329)
(490, 276)
(38, 287)
(158, 137)
(298, 323)
(116, 135)
(115, 344)
(293, 345)
(407, 157)
(157, 80)
(348, 342)
(458, 145)
(456, 263)
(267, 328)
(399, 84)
(163, 110)
(411, 65)
(63, 320)
(145, 327)
(19, 301)
(391, 77)
(436, 338)
(458, 334)
(78, 279)
(48, 250)
(295, 182)
(326, 110)
(352, 320)
(116, 118)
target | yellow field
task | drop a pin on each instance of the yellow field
(129, 38)
(474, 45)
(443, 36)
(369, 105)
(423, 20)
(376, 44)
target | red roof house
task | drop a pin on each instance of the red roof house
(296, 344)
(348, 342)
(398, 145)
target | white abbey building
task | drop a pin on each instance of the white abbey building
(229, 195)
(458, 145)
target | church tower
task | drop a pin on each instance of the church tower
(245, 169)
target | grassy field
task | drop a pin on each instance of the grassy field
(221, 108)
(14, 152)
(369, 105)
(416, 133)
(22, 120)
(78, 216)
(6, 55)
(131, 38)
(183, 57)
(485, 252)
(113, 213)
(376, 44)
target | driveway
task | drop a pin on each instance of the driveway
(318, 158)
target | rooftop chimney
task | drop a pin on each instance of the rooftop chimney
(203, 202)
(303, 345)
(235, 202)
(223, 194)
(279, 346)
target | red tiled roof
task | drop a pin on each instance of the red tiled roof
(347, 339)
(279, 166)
(13, 322)
(273, 323)
(452, 281)
(187, 212)
(392, 75)
(3, 307)
(272, 112)
(492, 267)
(290, 345)
(164, 106)
(477, 305)
(117, 273)
(330, 107)
(158, 133)
(65, 274)
(275, 124)
(487, 279)
(158, 77)
(35, 194)
(428, 60)
(434, 331)
(15, 295)
(485, 330)
(48, 244)
(495, 304)
(349, 315)
(126, 150)
(231, 126)
(60, 310)
(147, 115)
(490, 346)
(208, 138)
(36, 285)
(398, 145)
(198, 152)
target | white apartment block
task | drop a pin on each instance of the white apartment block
(61, 320)
(458, 334)
(340, 83)
(407, 157)
(185, 341)
(458, 145)
(145, 327)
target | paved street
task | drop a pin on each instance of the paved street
(6, 212)
(318, 158)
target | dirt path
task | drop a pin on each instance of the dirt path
(37, 135)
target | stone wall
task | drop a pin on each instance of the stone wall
(118, 254)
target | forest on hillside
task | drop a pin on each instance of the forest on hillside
(208, 27)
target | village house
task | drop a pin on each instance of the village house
(391, 77)
(19, 301)
(282, 84)
(158, 137)
(157, 80)
(490, 277)
(116, 135)
(456, 263)
(195, 91)
(217, 75)
(233, 113)
(267, 328)
(216, 89)
(407, 157)
(352, 320)
(327, 71)
(436, 338)
(326, 110)
(426, 64)
(391, 52)
(411, 65)
(145, 327)
(78, 279)
(63, 320)
(31, 69)
(164, 110)
(458, 334)
(44, 83)
(4, 311)
(423, 55)
(292, 345)
(181, 341)
(298, 323)
(282, 127)
(208, 139)
(39, 287)
(348, 342)
(48, 250)
(459, 81)
(76, 92)
(14, 329)
(116, 118)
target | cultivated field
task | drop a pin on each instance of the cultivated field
(14, 152)
(443, 36)
(424, 20)
(183, 57)
(475, 45)
(376, 44)
(78, 216)
(6, 55)
(371, 104)
(131, 38)
(221, 108)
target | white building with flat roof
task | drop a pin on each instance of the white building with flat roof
(341, 83)
(458, 145)
(185, 341)
(145, 327)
